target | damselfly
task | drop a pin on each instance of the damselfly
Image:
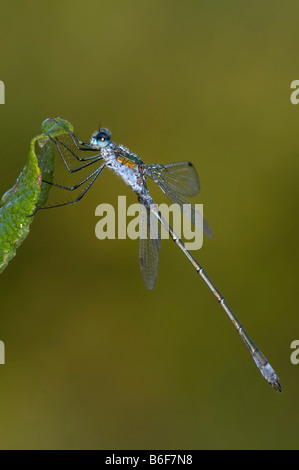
(176, 180)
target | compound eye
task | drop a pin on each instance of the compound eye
(102, 138)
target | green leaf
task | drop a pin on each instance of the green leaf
(20, 202)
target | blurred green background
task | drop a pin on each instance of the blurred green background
(93, 359)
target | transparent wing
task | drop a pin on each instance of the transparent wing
(181, 177)
(177, 199)
(150, 242)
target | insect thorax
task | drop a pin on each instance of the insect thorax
(127, 165)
